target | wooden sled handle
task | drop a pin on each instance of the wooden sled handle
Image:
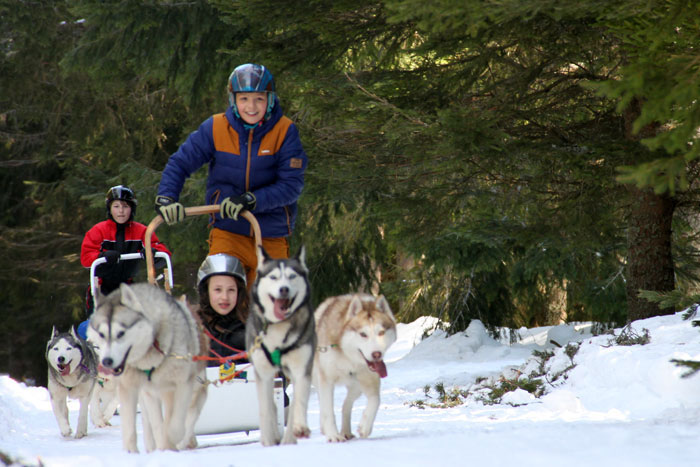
(191, 211)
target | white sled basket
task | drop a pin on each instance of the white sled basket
(232, 406)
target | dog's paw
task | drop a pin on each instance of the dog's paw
(270, 437)
(100, 423)
(302, 431)
(337, 438)
(269, 442)
(80, 434)
(364, 432)
(290, 436)
(348, 436)
(66, 433)
(187, 444)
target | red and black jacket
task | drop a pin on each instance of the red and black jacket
(123, 238)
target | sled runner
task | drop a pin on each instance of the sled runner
(232, 402)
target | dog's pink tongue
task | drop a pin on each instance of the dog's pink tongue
(65, 371)
(378, 367)
(281, 306)
(104, 370)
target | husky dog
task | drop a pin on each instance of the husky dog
(72, 370)
(280, 336)
(147, 340)
(354, 333)
(199, 398)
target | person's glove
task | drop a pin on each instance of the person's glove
(231, 207)
(171, 211)
(157, 262)
(112, 256)
(143, 252)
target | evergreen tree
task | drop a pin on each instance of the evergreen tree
(37, 230)
(475, 145)
(75, 121)
(516, 162)
(657, 92)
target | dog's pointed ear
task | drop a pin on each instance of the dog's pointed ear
(262, 256)
(54, 332)
(129, 298)
(355, 305)
(383, 306)
(97, 299)
(301, 257)
(72, 333)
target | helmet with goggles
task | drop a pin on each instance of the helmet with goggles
(251, 77)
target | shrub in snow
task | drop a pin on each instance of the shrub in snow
(628, 336)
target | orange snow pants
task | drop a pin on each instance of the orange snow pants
(243, 248)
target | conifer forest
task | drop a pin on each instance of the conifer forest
(520, 162)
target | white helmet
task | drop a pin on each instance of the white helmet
(220, 263)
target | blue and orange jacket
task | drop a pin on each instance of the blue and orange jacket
(267, 160)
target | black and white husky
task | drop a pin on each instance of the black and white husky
(280, 335)
(72, 374)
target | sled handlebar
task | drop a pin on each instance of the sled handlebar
(125, 257)
(191, 211)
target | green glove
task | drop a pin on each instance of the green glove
(171, 211)
(231, 207)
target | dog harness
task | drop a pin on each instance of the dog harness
(275, 357)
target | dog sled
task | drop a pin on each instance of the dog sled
(232, 401)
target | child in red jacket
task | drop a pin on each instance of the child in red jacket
(117, 235)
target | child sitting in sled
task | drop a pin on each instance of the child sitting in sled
(223, 305)
(111, 238)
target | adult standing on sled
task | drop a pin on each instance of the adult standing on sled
(223, 304)
(109, 239)
(256, 163)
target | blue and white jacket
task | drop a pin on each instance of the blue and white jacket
(267, 160)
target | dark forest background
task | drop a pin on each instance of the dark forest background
(519, 162)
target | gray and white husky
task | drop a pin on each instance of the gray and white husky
(354, 332)
(146, 339)
(280, 336)
(72, 369)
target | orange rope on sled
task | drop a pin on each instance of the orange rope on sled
(240, 354)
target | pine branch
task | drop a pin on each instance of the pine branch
(384, 102)
(692, 364)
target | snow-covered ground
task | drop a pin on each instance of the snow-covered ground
(620, 405)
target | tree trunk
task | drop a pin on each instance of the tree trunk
(649, 258)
